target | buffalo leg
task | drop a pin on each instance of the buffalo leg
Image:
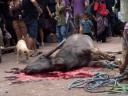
(96, 64)
(105, 63)
(105, 55)
(115, 53)
(98, 52)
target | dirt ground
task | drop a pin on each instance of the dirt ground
(45, 87)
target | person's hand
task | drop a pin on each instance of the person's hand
(40, 11)
(122, 68)
(94, 17)
(4, 29)
(69, 9)
(49, 14)
(108, 11)
(53, 14)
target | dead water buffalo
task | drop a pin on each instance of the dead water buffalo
(77, 51)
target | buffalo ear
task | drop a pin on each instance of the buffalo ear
(59, 61)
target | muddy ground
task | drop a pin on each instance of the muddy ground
(45, 87)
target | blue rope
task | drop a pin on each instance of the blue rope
(110, 64)
(99, 80)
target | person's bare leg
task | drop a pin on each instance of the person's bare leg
(16, 27)
(24, 31)
(18, 33)
(30, 43)
(34, 45)
(41, 36)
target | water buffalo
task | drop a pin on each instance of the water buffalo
(77, 51)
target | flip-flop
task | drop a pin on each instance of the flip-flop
(34, 55)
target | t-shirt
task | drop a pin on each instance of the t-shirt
(16, 11)
(79, 6)
(51, 4)
(67, 3)
(41, 4)
(30, 10)
(87, 26)
(88, 10)
(110, 4)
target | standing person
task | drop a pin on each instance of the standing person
(50, 6)
(111, 15)
(102, 26)
(102, 21)
(70, 26)
(92, 16)
(79, 10)
(68, 9)
(61, 20)
(117, 10)
(4, 8)
(18, 20)
(31, 12)
(86, 26)
(41, 21)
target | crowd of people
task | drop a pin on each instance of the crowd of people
(35, 20)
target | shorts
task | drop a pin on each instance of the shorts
(18, 25)
(41, 23)
(41, 20)
(32, 26)
(77, 20)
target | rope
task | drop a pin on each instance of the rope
(99, 80)
(110, 64)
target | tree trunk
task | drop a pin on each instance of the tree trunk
(124, 10)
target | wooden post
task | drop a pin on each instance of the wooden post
(124, 10)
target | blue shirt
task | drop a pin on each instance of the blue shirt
(87, 26)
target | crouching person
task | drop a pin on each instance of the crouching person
(61, 20)
(124, 66)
